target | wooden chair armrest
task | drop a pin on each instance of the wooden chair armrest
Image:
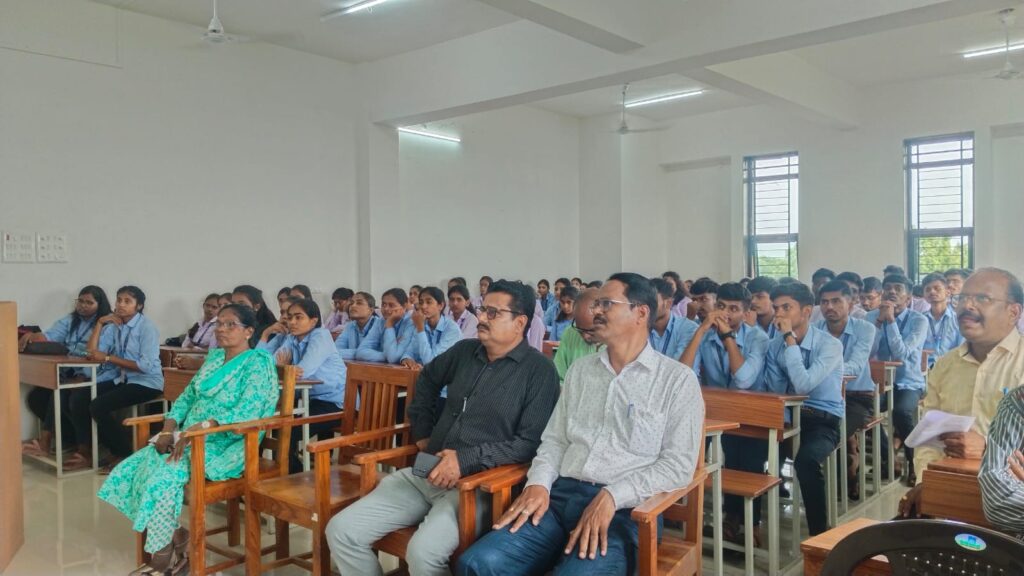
(371, 458)
(650, 509)
(358, 438)
(241, 427)
(144, 420)
(275, 422)
(495, 479)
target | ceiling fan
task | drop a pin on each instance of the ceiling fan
(624, 128)
(1009, 71)
(215, 31)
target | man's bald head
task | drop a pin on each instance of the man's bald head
(584, 315)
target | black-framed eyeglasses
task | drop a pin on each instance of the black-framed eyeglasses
(605, 304)
(492, 312)
(582, 330)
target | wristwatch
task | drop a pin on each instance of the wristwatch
(788, 334)
(729, 334)
(106, 358)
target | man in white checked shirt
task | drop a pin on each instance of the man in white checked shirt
(628, 425)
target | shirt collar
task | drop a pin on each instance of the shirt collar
(810, 337)
(516, 354)
(1010, 345)
(648, 359)
(134, 321)
(673, 321)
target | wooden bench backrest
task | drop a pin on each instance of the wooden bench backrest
(377, 389)
(278, 440)
(175, 381)
(750, 409)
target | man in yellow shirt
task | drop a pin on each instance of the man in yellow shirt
(971, 379)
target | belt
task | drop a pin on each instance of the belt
(864, 394)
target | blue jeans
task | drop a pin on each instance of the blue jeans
(536, 549)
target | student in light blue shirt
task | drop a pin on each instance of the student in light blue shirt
(900, 338)
(360, 339)
(397, 336)
(857, 337)
(309, 346)
(551, 312)
(128, 344)
(433, 332)
(808, 361)
(73, 331)
(727, 353)
(544, 296)
(566, 313)
(943, 327)
(671, 333)
(762, 314)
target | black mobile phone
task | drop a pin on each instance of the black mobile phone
(424, 463)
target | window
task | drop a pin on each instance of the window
(772, 184)
(940, 203)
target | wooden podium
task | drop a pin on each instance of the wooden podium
(12, 530)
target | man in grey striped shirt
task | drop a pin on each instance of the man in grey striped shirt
(627, 426)
(1002, 468)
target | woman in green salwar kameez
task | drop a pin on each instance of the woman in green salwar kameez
(235, 384)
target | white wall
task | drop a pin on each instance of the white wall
(505, 202)
(851, 182)
(180, 167)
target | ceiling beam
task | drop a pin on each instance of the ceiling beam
(568, 25)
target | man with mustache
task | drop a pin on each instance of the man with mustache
(500, 395)
(972, 378)
(629, 425)
(900, 338)
(579, 339)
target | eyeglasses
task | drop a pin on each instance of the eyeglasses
(605, 304)
(228, 325)
(582, 330)
(491, 312)
(982, 300)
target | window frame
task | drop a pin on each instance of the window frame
(753, 240)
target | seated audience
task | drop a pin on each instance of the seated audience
(1002, 468)
(235, 384)
(414, 295)
(461, 311)
(703, 292)
(805, 360)
(544, 295)
(485, 283)
(301, 291)
(567, 307)
(501, 394)
(457, 281)
(342, 299)
(595, 284)
(871, 295)
(73, 331)
(725, 352)
(361, 338)
(943, 330)
(761, 313)
(955, 278)
(973, 378)
(252, 297)
(629, 425)
(398, 331)
(535, 334)
(680, 297)
(578, 283)
(671, 333)
(132, 347)
(857, 337)
(551, 312)
(309, 346)
(200, 335)
(856, 284)
(282, 298)
(433, 332)
(917, 301)
(579, 339)
(899, 337)
(224, 300)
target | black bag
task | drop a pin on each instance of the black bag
(46, 348)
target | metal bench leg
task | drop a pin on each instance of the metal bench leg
(748, 535)
(863, 464)
(844, 469)
(830, 488)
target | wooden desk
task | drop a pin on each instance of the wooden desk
(169, 353)
(953, 496)
(762, 415)
(817, 548)
(550, 348)
(967, 466)
(44, 372)
(713, 461)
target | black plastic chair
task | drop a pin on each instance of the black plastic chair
(929, 548)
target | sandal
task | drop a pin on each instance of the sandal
(158, 565)
(76, 462)
(106, 470)
(33, 448)
(180, 565)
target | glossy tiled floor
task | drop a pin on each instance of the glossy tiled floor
(68, 531)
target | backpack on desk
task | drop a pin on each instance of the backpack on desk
(46, 348)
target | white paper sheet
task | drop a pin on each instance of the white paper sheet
(935, 423)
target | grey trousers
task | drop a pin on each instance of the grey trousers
(401, 500)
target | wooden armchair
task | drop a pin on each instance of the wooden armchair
(198, 494)
(310, 499)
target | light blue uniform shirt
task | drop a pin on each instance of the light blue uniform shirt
(902, 341)
(712, 360)
(814, 368)
(550, 315)
(943, 335)
(352, 337)
(75, 341)
(857, 339)
(771, 332)
(319, 360)
(432, 342)
(137, 340)
(398, 339)
(559, 328)
(678, 333)
(546, 301)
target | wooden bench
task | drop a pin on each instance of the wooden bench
(169, 353)
(883, 374)
(953, 496)
(816, 548)
(969, 466)
(748, 485)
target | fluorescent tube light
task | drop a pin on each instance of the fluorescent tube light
(665, 98)
(358, 6)
(991, 51)
(430, 134)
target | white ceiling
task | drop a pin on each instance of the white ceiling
(609, 100)
(391, 28)
(918, 52)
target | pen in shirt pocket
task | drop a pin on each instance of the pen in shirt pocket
(629, 411)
